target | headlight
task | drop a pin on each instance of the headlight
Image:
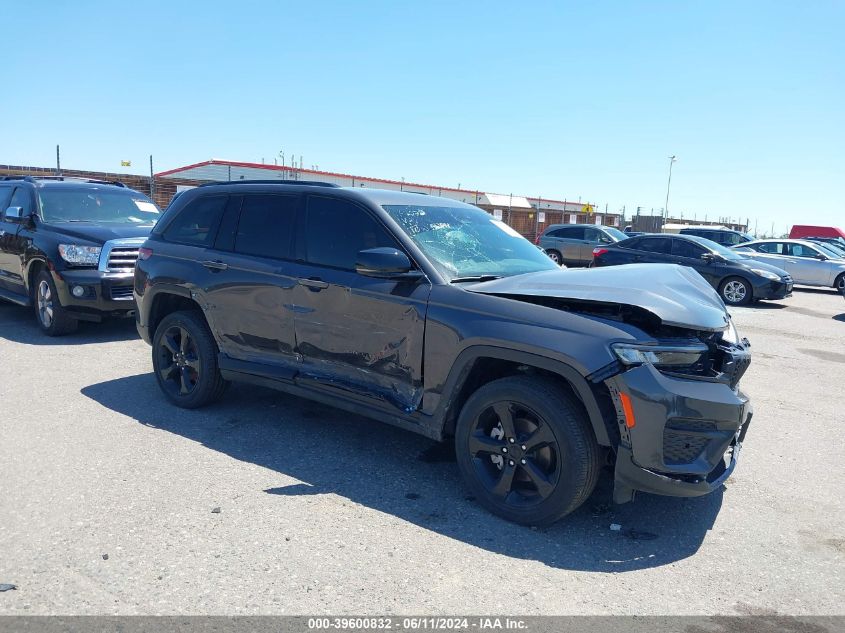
(730, 335)
(766, 274)
(659, 355)
(75, 254)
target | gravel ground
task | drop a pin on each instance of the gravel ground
(109, 499)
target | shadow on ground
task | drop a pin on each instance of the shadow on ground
(17, 324)
(411, 477)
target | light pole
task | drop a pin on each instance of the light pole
(672, 160)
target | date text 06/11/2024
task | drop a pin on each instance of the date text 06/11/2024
(416, 623)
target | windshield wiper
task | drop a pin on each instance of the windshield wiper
(478, 278)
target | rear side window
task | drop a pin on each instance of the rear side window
(336, 230)
(573, 233)
(656, 245)
(775, 248)
(684, 248)
(197, 223)
(266, 225)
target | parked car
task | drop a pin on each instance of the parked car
(725, 237)
(809, 263)
(801, 231)
(68, 247)
(738, 280)
(431, 315)
(573, 244)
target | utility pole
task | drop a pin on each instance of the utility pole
(672, 160)
(58, 162)
(152, 180)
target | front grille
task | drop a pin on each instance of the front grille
(682, 448)
(121, 292)
(122, 259)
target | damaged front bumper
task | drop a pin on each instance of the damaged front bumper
(680, 436)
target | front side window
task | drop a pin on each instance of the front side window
(336, 230)
(21, 198)
(96, 205)
(799, 250)
(266, 225)
(5, 197)
(467, 242)
(197, 222)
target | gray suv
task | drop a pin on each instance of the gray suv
(573, 244)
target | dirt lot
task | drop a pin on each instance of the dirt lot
(107, 499)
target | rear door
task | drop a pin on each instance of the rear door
(354, 333)
(776, 254)
(570, 241)
(251, 277)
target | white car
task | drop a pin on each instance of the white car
(809, 263)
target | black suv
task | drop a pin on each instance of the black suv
(68, 247)
(431, 315)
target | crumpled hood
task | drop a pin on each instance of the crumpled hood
(99, 233)
(677, 295)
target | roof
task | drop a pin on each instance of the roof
(313, 174)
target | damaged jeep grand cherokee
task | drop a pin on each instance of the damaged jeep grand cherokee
(429, 314)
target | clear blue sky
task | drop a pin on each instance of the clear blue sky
(554, 99)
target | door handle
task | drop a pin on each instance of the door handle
(314, 284)
(215, 266)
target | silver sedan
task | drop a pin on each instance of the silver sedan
(809, 263)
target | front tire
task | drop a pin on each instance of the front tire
(736, 291)
(526, 450)
(52, 318)
(185, 360)
(839, 284)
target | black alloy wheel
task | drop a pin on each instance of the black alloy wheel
(526, 449)
(185, 360)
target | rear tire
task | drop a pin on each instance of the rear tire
(185, 360)
(52, 318)
(526, 450)
(736, 291)
(555, 256)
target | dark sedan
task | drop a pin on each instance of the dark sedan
(738, 279)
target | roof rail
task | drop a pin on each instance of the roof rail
(309, 183)
(92, 181)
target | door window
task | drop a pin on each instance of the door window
(266, 225)
(5, 196)
(337, 229)
(197, 223)
(571, 233)
(773, 248)
(661, 245)
(21, 198)
(799, 250)
(684, 248)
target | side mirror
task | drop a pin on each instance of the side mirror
(821, 257)
(14, 214)
(385, 263)
(708, 257)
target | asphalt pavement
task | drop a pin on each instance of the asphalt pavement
(112, 501)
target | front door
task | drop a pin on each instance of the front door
(690, 254)
(14, 237)
(355, 333)
(807, 266)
